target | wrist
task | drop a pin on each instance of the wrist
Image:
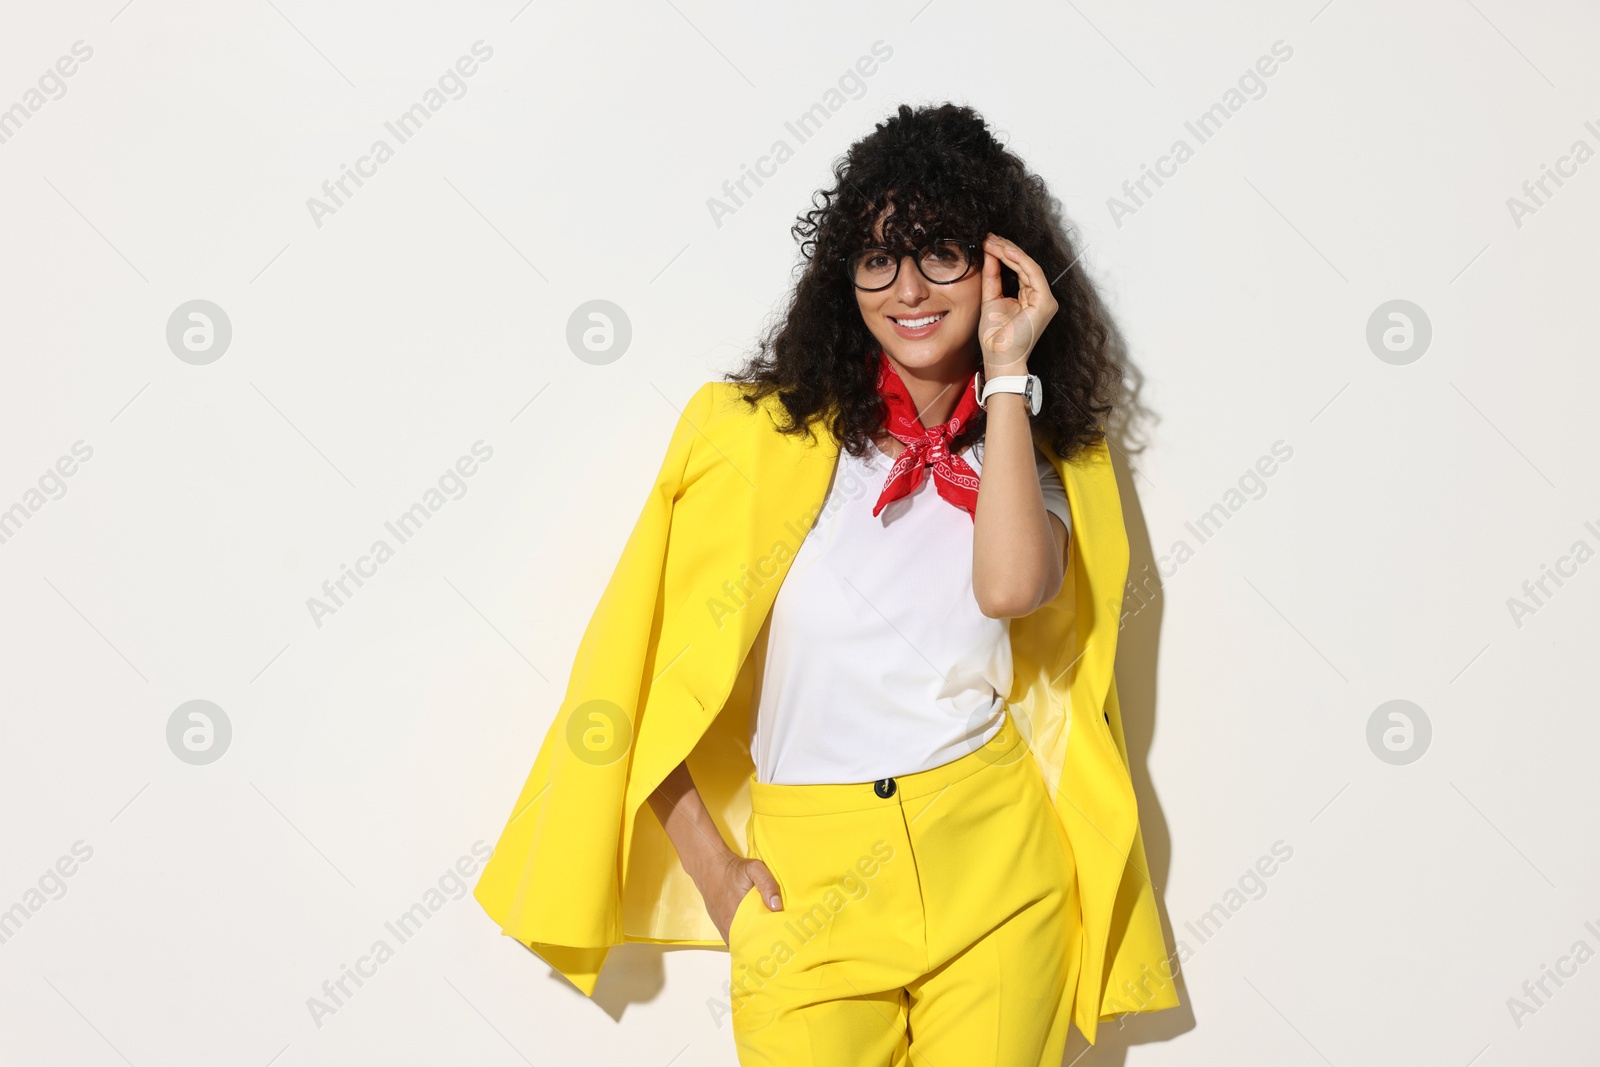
(1011, 379)
(1001, 370)
(708, 860)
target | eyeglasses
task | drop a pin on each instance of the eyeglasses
(941, 261)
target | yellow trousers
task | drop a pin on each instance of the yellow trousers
(928, 920)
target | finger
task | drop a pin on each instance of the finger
(991, 274)
(1038, 302)
(1032, 279)
(1038, 319)
(1010, 253)
(1035, 304)
(767, 885)
(1030, 275)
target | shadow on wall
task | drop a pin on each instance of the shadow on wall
(1138, 654)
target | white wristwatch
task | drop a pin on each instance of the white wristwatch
(1027, 384)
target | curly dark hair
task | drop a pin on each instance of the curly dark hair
(945, 175)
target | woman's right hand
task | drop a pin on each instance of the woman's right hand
(730, 881)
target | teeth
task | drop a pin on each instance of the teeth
(914, 324)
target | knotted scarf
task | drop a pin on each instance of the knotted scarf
(926, 447)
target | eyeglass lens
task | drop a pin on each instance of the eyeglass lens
(939, 261)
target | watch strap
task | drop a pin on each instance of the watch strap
(1026, 384)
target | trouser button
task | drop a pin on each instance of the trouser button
(884, 787)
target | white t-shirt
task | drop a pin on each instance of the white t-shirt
(878, 662)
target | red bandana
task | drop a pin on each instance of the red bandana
(926, 447)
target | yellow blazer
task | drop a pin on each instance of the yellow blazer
(664, 673)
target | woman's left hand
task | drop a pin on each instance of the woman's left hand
(1008, 327)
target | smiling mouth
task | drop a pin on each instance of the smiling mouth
(919, 321)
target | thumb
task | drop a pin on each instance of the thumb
(990, 287)
(767, 885)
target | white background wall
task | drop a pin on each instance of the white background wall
(369, 752)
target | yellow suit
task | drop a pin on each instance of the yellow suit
(664, 674)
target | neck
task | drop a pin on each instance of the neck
(934, 390)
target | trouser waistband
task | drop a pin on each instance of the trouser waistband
(772, 798)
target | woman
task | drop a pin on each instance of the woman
(846, 647)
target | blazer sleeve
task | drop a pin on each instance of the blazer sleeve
(553, 880)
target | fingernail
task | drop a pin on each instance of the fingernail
(773, 900)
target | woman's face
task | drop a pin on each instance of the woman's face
(899, 316)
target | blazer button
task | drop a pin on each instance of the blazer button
(884, 787)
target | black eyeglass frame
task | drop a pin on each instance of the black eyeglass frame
(974, 259)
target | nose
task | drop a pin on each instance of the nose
(910, 286)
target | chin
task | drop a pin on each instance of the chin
(920, 354)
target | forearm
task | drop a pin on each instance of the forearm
(700, 845)
(1016, 562)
